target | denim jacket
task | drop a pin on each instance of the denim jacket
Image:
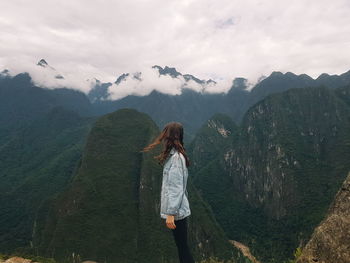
(174, 195)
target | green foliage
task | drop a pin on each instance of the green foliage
(4, 256)
(110, 211)
(37, 161)
(209, 141)
(89, 194)
(297, 254)
(310, 126)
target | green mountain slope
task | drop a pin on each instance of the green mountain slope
(110, 212)
(211, 138)
(36, 161)
(282, 170)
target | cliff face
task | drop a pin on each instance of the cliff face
(110, 211)
(331, 240)
(215, 135)
(286, 148)
(276, 176)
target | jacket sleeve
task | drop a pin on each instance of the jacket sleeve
(175, 185)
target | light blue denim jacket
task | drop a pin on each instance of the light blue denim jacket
(174, 195)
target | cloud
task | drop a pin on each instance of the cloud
(149, 79)
(208, 39)
(227, 23)
(50, 77)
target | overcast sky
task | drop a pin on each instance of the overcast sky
(219, 39)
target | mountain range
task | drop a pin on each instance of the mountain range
(266, 166)
(191, 107)
(278, 171)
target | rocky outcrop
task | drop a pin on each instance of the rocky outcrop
(330, 243)
(18, 260)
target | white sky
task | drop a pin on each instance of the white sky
(220, 39)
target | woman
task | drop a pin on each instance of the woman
(174, 206)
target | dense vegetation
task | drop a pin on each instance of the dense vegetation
(273, 180)
(37, 161)
(110, 211)
(268, 180)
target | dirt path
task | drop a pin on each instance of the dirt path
(245, 250)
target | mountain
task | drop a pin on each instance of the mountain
(22, 102)
(194, 107)
(272, 181)
(330, 241)
(100, 91)
(214, 135)
(110, 210)
(268, 162)
(279, 82)
(334, 81)
(190, 108)
(167, 71)
(42, 63)
(37, 162)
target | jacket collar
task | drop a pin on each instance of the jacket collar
(172, 151)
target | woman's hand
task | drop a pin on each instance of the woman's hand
(170, 222)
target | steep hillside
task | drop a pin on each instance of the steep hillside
(276, 178)
(330, 241)
(212, 137)
(110, 212)
(37, 161)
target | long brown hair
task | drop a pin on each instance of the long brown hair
(171, 136)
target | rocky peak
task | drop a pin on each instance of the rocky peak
(210, 81)
(189, 77)
(42, 62)
(121, 78)
(167, 71)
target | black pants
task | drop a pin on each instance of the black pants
(180, 236)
